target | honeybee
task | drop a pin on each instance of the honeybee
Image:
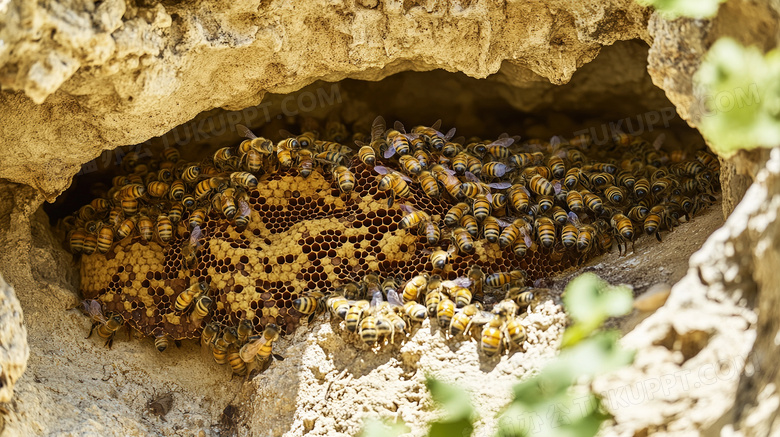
(461, 295)
(355, 314)
(481, 207)
(558, 169)
(410, 164)
(261, 347)
(624, 228)
(413, 218)
(570, 231)
(523, 160)
(191, 173)
(157, 189)
(492, 338)
(495, 169)
(175, 212)
(522, 296)
(244, 215)
(601, 180)
(106, 327)
(470, 224)
(491, 229)
(708, 159)
(105, 237)
(129, 207)
(465, 319)
(519, 198)
(209, 334)
(592, 201)
(367, 154)
(540, 185)
(311, 304)
(90, 244)
(447, 179)
(128, 192)
(415, 312)
(545, 231)
(146, 227)
(414, 287)
(500, 279)
(431, 232)
(653, 220)
(626, 179)
(76, 240)
(338, 306)
(164, 228)
(201, 308)
(368, 330)
(219, 350)
(638, 213)
(432, 135)
(445, 310)
(237, 364)
(161, 342)
(398, 142)
(394, 181)
(515, 332)
(462, 239)
(428, 184)
(641, 188)
(185, 298)
(498, 149)
(585, 237)
(455, 213)
(243, 179)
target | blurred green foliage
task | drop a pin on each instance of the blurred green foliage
(671, 9)
(555, 401)
(738, 90)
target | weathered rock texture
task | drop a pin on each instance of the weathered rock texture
(83, 78)
(13, 341)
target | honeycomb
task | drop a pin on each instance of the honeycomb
(303, 234)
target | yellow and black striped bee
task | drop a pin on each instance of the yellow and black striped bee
(413, 217)
(626, 179)
(638, 213)
(414, 312)
(520, 295)
(219, 349)
(545, 203)
(261, 347)
(653, 220)
(431, 232)
(90, 244)
(461, 238)
(599, 181)
(499, 149)
(615, 195)
(368, 330)
(495, 169)
(585, 237)
(164, 228)
(366, 154)
(519, 198)
(105, 238)
(106, 326)
(177, 190)
(124, 229)
(76, 240)
(523, 160)
(624, 228)
(355, 314)
(557, 167)
(157, 189)
(570, 231)
(481, 207)
(500, 279)
(491, 229)
(161, 342)
(310, 304)
(440, 258)
(393, 181)
(559, 215)
(471, 225)
(641, 188)
(243, 179)
(201, 308)
(540, 185)
(477, 278)
(186, 297)
(415, 287)
(209, 334)
(191, 173)
(128, 192)
(708, 159)
(344, 178)
(460, 163)
(492, 339)
(445, 310)
(410, 164)
(515, 332)
(453, 216)
(592, 201)
(545, 231)
(338, 306)
(428, 184)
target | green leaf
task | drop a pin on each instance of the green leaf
(738, 97)
(378, 428)
(457, 428)
(671, 9)
(581, 298)
(617, 301)
(454, 400)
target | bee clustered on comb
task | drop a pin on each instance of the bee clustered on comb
(263, 225)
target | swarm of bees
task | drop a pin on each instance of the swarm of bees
(503, 204)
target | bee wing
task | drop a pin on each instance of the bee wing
(489, 197)
(403, 176)
(248, 352)
(500, 185)
(449, 134)
(452, 249)
(245, 210)
(659, 141)
(245, 132)
(457, 282)
(503, 223)
(399, 127)
(390, 150)
(195, 235)
(481, 318)
(360, 143)
(501, 170)
(381, 169)
(93, 308)
(527, 237)
(557, 187)
(436, 126)
(406, 208)
(503, 142)
(574, 219)
(377, 298)
(393, 298)
(471, 177)
(378, 127)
